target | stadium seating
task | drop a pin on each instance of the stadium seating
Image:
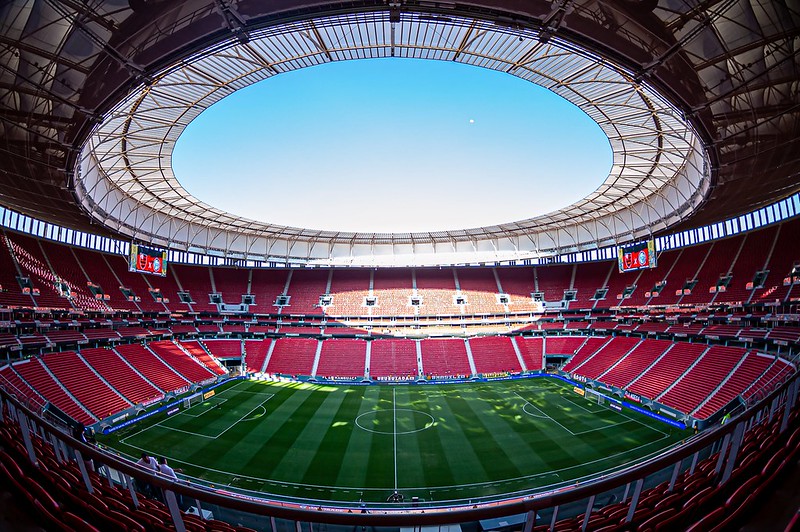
(231, 283)
(266, 286)
(137, 283)
(586, 350)
(752, 367)
(36, 267)
(479, 289)
(349, 289)
(437, 288)
(393, 357)
(494, 354)
(197, 281)
(152, 367)
(304, 290)
(666, 371)
(611, 353)
(532, 351)
(518, 284)
(553, 280)
(77, 377)
(293, 356)
(224, 349)
(120, 375)
(342, 357)
(718, 262)
(563, 345)
(19, 387)
(633, 365)
(11, 293)
(392, 289)
(256, 353)
(40, 379)
(172, 354)
(703, 378)
(783, 257)
(98, 272)
(444, 357)
(589, 278)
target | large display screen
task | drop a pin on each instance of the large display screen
(148, 260)
(637, 256)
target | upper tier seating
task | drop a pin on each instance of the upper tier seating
(304, 290)
(392, 288)
(437, 288)
(231, 283)
(35, 266)
(518, 284)
(125, 380)
(349, 289)
(11, 292)
(479, 288)
(82, 382)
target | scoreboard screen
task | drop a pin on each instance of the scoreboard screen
(637, 256)
(147, 260)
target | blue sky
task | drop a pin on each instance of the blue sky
(391, 145)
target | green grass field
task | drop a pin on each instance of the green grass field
(452, 442)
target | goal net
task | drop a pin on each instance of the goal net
(594, 397)
(192, 400)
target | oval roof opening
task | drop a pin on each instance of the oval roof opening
(391, 145)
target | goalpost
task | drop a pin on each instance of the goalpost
(192, 400)
(594, 397)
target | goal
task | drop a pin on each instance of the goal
(594, 397)
(192, 400)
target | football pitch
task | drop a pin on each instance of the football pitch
(342, 444)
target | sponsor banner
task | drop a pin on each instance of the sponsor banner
(208, 394)
(670, 414)
(153, 401)
(173, 410)
(613, 405)
(117, 419)
(781, 342)
(580, 378)
(633, 397)
(579, 391)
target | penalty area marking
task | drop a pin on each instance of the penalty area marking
(243, 418)
(207, 410)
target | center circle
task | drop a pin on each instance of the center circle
(395, 421)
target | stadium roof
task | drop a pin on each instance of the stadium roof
(705, 91)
